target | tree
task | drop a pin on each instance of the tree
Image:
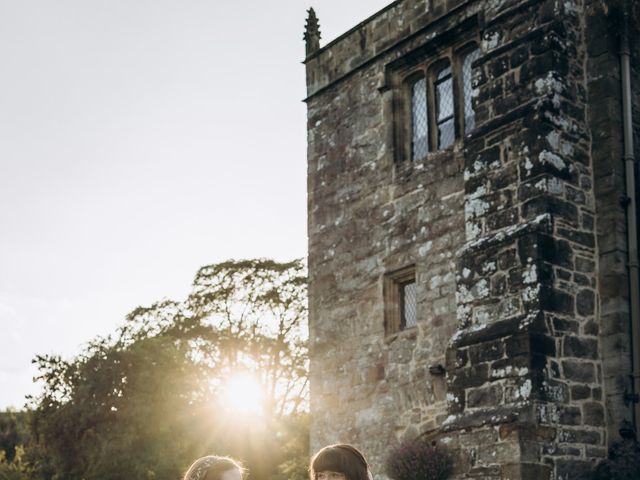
(14, 469)
(14, 432)
(146, 401)
(14, 435)
(258, 311)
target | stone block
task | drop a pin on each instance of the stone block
(487, 351)
(570, 415)
(518, 344)
(580, 392)
(484, 397)
(539, 66)
(563, 325)
(580, 347)
(457, 358)
(585, 265)
(498, 453)
(469, 377)
(563, 254)
(489, 332)
(564, 451)
(502, 219)
(544, 204)
(507, 259)
(577, 435)
(586, 239)
(535, 247)
(593, 414)
(583, 280)
(573, 469)
(534, 471)
(578, 371)
(555, 300)
(490, 90)
(597, 453)
(518, 56)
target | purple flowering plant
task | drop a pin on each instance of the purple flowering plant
(418, 460)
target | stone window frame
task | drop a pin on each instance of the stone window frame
(452, 42)
(393, 283)
(429, 68)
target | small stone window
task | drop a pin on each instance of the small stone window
(438, 102)
(400, 295)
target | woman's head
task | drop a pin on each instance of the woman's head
(339, 462)
(212, 467)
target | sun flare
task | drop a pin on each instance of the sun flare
(243, 394)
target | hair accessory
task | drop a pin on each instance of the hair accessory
(202, 467)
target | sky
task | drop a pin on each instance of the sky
(140, 140)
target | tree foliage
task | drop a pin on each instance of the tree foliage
(14, 435)
(146, 401)
(14, 432)
(14, 469)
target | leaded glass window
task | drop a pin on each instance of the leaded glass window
(400, 300)
(408, 305)
(419, 119)
(436, 101)
(445, 119)
(467, 84)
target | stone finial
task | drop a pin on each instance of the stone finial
(312, 32)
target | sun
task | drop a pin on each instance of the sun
(243, 394)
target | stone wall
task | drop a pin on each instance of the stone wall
(605, 122)
(514, 233)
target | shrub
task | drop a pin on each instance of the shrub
(418, 460)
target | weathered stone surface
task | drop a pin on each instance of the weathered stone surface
(580, 392)
(570, 469)
(515, 233)
(585, 302)
(580, 347)
(568, 435)
(593, 414)
(485, 397)
(579, 372)
(570, 416)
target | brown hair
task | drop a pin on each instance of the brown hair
(211, 467)
(341, 458)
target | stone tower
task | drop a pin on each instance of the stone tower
(472, 232)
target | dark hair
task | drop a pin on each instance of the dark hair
(341, 458)
(211, 467)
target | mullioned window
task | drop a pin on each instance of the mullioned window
(438, 102)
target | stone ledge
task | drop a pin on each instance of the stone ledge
(491, 331)
(490, 416)
(541, 224)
